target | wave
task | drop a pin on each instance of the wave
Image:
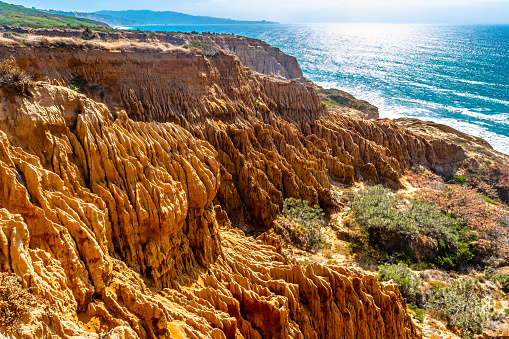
(483, 98)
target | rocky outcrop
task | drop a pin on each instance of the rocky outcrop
(255, 54)
(112, 222)
(339, 99)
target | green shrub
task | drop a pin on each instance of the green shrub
(499, 278)
(329, 102)
(406, 279)
(301, 224)
(419, 313)
(410, 233)
(11, 76)
(88, 34)
(196, 44)
(459, 178)
(463, 306)
(77, 84)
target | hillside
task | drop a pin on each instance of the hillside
(146, 17)
(110, 20)
(14, 15)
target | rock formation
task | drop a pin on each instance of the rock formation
(117, 203)
(111, 224)
(274, 138)
(255, 54)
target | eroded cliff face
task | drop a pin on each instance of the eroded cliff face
(255, 54)
(274, 138)
(111, 221)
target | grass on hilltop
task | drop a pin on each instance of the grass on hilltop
(19, 16)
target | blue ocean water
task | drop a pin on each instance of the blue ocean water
(456, 75)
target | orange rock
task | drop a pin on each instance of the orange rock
(274, 138)
(113, 222)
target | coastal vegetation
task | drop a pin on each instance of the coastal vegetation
(415, 232)
(463, 305)
(408, 281)
(12, 76)
(301, 224)
(197, 45)
(329, 102)
(16, 302)
(19, 16)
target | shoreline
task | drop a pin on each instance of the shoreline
(485, 115)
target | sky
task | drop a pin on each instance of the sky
(300, 11)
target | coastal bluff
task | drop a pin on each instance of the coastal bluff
(121, 195)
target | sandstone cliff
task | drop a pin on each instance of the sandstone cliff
(117, 203)
(255, 54)
(111, 223)
(274, 138)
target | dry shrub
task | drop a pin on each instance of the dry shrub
(490, 222)
(16, 302)
(501, 175)
(421, 177)
(21, 38)
(11, 76)
(491, 179)
(467, 204)
(43, 42)
(482, 187)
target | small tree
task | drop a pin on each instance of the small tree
(408, 282)
(301, 224)
(463, 305)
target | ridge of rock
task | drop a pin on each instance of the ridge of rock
(274, 138)
(112, 222)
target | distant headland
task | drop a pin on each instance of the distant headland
(147, 17)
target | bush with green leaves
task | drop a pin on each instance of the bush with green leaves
(88, 34)
(301, 224)
(463, 306)
(408, 282)
(459, 178)
(410, 232)
(200, 48)
(418, 313)
(196, 44)
(497, 277)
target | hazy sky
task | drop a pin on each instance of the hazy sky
(435, 11)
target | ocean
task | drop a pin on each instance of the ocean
(455, 75)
